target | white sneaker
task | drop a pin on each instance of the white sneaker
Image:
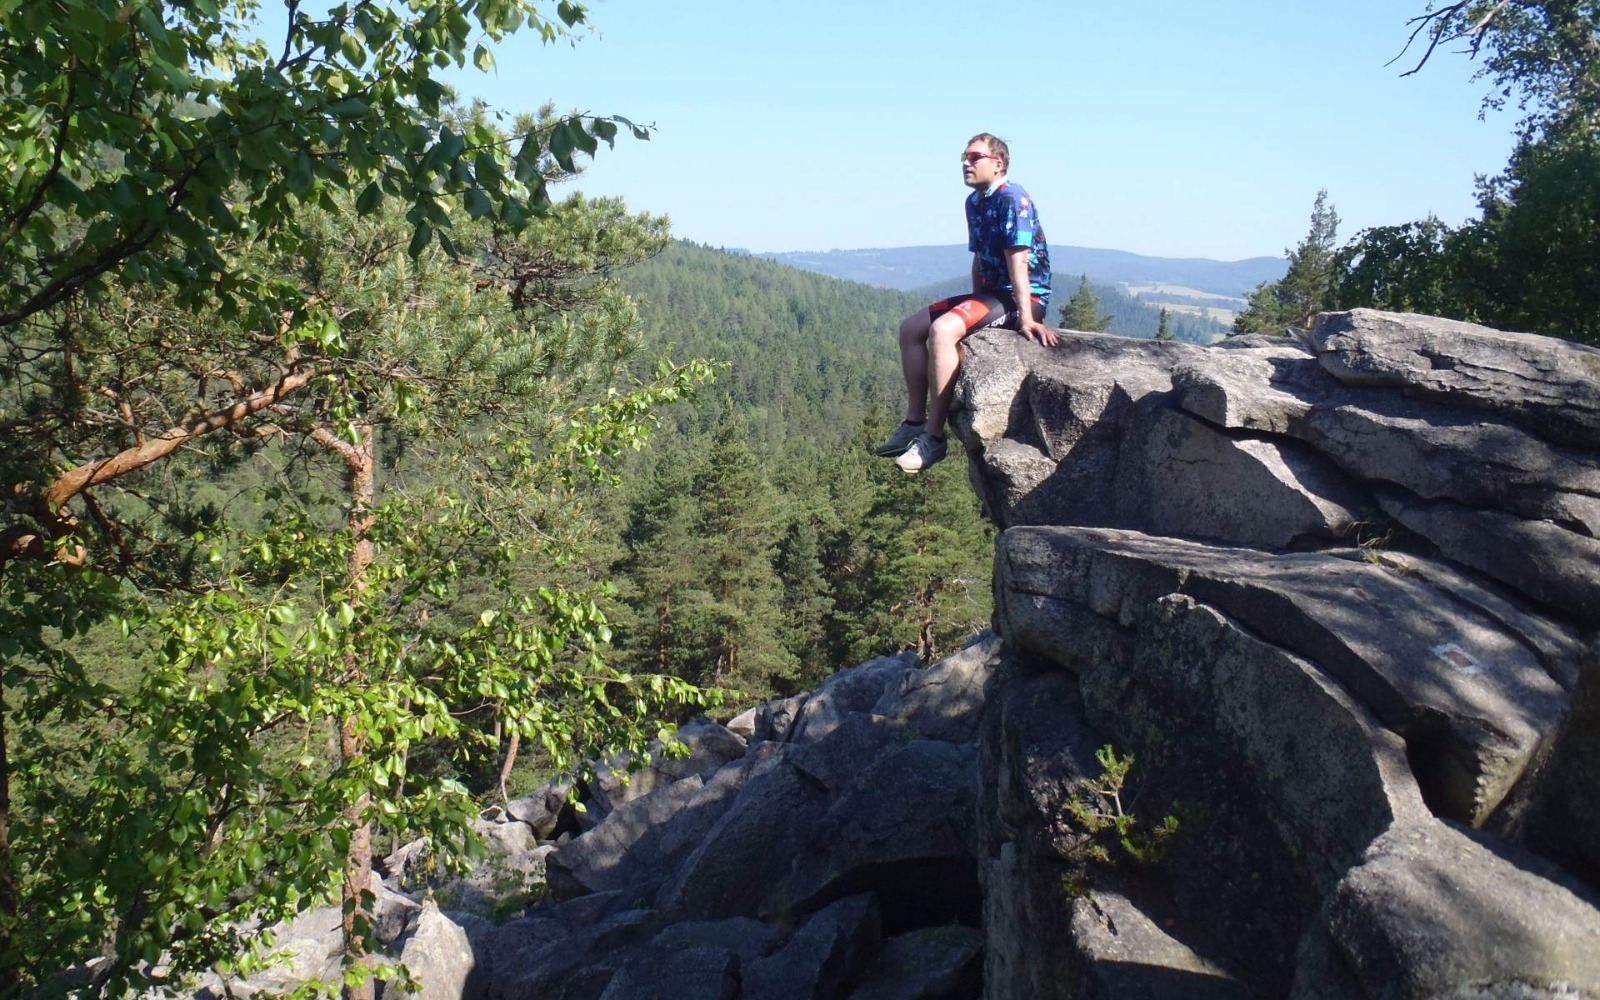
(899, 441)
(924, 451)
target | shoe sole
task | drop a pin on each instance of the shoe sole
(920, 468)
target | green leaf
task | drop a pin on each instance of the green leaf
(420, 239)
(352, 49)
(562, 144)
(367, 202)
(301, 176)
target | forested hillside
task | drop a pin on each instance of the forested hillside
(762, 545)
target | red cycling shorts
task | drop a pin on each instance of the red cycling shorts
(988, 308)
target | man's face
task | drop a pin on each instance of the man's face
(980, 168)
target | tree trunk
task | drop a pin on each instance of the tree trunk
(358, 921)
(10, 973)
(512, 747)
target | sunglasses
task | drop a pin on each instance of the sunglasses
(975, 157)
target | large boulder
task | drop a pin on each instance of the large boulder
(676, 974)
(730, 870)
(857, 689)
(1551, 387)
(575, 962)
(905, 829)
(438, 955)
(1563, 822)
(1455, 435)
(544, 810)
(697, 748)
(1473, 701)
(945, 700)
(1434, 913)
(643, 841)
(932, 963)
(822, 955)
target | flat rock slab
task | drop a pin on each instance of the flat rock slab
(1550, 386)
(1432, 449)
(1122, 954)
(935, 963)
(1435, 913)
(681, 974)
(1560, 647)
(643, 840)
(1548, 563)
(1473, 701)
(913, 810)
(944, 701)
(821, 956)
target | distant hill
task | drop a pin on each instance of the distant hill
(909, 268)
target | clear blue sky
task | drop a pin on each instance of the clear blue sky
(1166, 127)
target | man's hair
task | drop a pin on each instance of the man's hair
(997, 146)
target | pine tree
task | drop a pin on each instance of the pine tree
(1163, 331)
(1306, 287)
(740, 518)
(1082, 311)
(661, 571)
(807, 600)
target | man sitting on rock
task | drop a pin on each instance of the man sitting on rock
(1008, 253)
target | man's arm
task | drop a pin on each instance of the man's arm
(975, 288)
(1017, 267)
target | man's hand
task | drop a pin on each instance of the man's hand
(1035, 330)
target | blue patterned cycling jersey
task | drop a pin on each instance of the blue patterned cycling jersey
(1001, 218)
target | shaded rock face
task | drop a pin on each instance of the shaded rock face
(1382, 756)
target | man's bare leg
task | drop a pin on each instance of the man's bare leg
(914, 363)
(944, 360)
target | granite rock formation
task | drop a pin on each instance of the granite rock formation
(1337, 595)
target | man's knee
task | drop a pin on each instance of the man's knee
(914, 328)
(946, 332)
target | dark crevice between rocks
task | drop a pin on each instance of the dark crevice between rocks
(1443, 779)
(913, 894)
